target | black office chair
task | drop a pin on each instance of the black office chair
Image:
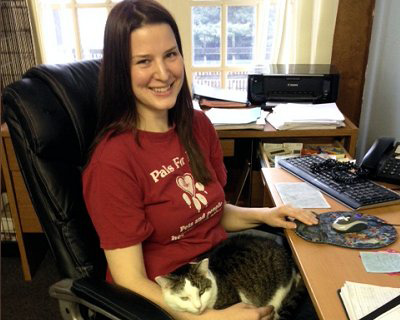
(51, 114)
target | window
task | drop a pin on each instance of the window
(227, 38)
(72, 30)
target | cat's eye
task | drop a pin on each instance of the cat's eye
(202, 291)
(185, 298)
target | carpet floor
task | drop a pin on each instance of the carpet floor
(28, 300)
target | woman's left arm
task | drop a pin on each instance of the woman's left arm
(237, 218)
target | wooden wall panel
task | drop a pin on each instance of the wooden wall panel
(350, 53)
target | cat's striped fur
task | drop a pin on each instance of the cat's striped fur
(246, 268)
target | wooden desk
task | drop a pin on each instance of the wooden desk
(23, 215)
(347, 135)
(324, 267)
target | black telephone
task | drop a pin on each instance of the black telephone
(382, 160)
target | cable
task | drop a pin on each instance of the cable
(345, 172)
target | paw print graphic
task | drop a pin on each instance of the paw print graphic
(192, 191)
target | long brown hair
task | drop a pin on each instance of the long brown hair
(117, 107)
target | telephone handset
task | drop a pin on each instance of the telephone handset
(382, 160)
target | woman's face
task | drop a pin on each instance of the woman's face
(157, 69)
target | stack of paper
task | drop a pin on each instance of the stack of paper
(228, 109)
(238, 118)
(296, 116)
(361, 300)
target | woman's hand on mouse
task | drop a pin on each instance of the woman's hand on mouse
(277, 217)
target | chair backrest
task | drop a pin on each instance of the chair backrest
(51, 115)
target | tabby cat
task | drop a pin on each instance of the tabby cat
(244, 268)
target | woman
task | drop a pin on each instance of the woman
(154, 183)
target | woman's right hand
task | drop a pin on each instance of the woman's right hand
(243, 311)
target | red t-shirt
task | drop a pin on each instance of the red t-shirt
(147, 194)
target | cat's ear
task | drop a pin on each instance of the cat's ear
(202, 267)
(163, 281)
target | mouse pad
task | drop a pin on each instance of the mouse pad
(377, 235)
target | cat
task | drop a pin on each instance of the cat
(244, 268)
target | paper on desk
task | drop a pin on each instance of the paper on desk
(233, 116)
(306, 116)
(381, 262)
(361, 299)
(324, 112)
(301, 195)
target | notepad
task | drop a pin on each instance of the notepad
(301, 195)
(367, 302)
(381, 262)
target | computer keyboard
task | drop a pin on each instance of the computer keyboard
(353, 191)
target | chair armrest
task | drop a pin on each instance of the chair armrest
(99, 296)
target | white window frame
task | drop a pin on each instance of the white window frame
(66, 4)
(182, 12)
(225, 68)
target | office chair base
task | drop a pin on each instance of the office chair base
(70, 310)
(73, 307)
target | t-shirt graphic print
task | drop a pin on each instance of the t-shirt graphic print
(192, 191)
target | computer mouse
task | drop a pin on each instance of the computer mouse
(349, 224)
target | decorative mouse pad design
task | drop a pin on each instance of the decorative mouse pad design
(378, 234)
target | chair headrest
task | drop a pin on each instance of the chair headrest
(75, 84)
(58, 106)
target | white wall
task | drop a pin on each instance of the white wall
(380, 113)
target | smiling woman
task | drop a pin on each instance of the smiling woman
(154, 183)
(157, 73)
